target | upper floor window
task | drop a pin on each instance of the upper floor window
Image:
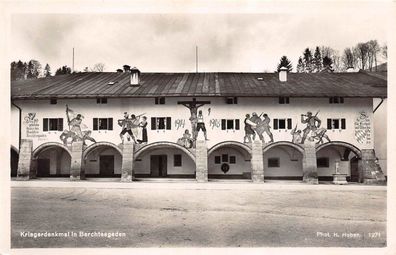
(161, 123)
(232, 124)
(101, 100)
(232, 100)
(53, 124)
(102, 124)
(284, 100)
(336, 124)
(159, 100)
(283, 123)
(53, 101)
(336, 100)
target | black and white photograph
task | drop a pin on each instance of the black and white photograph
(165, 125)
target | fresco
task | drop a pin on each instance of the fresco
(255, 125)
(363, 128)
(130, 128)
(32, 126)
(186, 141)
(313, 129)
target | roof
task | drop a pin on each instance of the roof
(86, 85)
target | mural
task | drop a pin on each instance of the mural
(255, 125)
(313, 128)
(32, 126)
(186, 140)
(363, 128)
(296, 134)
(75, 133)
(130, 126)
(143, 126)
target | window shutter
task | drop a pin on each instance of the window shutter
(235, 100)
(329, 124)
(153, 123)
(110, 124)
(287, 100)
(236, 124)
(168, 123)
(343, 124)
(331, 100)
(289, 123)
(60, 124)
(275, 123)
(223, 124)
(95, 124)
(45, 124)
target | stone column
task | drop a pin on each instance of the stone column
(310, 170)
(201, 161)
(25, 159)
(76, 158)
(127, 174)
(257, 162)
(369, 171)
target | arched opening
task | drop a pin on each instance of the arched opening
(164, 160)
(102, 159)
(52, 160)
(283, 161)
(338, 157)
(229, 160)
(14, 157)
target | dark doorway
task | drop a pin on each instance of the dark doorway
(354, 170)
(158, 165)
(106, 165)
(43, 167)
(14, 163)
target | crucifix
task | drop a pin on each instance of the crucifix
(193, 106)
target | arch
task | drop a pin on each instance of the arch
(15, 149)
(246, 148)
(96, 145)
(352, 147)
(14, 158)
(44, 146)
(160, 145)
(284, 143)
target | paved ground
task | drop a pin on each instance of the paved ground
(191, 215)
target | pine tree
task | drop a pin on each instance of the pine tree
(327, 64)
(63, 70)
(33, 69)
(317, 60)
(285, 62)
(47, 70)
(300, 65)
(308, 60)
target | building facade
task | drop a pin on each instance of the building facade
(205, 126)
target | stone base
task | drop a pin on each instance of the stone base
(311, 180)
(340, 179)
(75, 178)
(127, 178)
(374, 181)
(22, 178)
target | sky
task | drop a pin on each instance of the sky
(237, 42)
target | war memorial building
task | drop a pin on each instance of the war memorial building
(203, 126)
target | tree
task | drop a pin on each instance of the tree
(384, 51)
(18, 70)
(317, 60)
(63, 70)
(327, 64)
(285, 62)
(300, 65)
(126, 68)
(373, 50)
(307, 57)
(47, 70)
(348, 59)
(98, 67)
(361, 51)
(333, 54)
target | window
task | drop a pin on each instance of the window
(273, 162)
(336, 100)
(322, 162)
(232, 160)
(161, 123)
(232, 100)
(53, 101)
(224, 158)
(177, 160)
(284, 100)
(282, 123)
(217, 159)
(102, 124)
(52, 124)
(101, 100)
(159, 100)
(336, 124)
(232, 124)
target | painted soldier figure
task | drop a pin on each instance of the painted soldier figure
(249, 129)
(296, 134)
(126, 125)
(313, 123)
(200, 125)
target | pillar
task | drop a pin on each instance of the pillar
(25, 159)
(310, 170)
(127, 162)
(76, 160)
(201, 161)
(257, 162)
(369, 170)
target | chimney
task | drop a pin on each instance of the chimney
(283, 74)
(135, 76)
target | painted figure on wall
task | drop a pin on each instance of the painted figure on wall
(262, 125)
(186, 140)
(296, 134)
(249, 132)
(200, 125)
(143, 126)
(135, 125)
(126, 125)
(319, 134)
(313, 123)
